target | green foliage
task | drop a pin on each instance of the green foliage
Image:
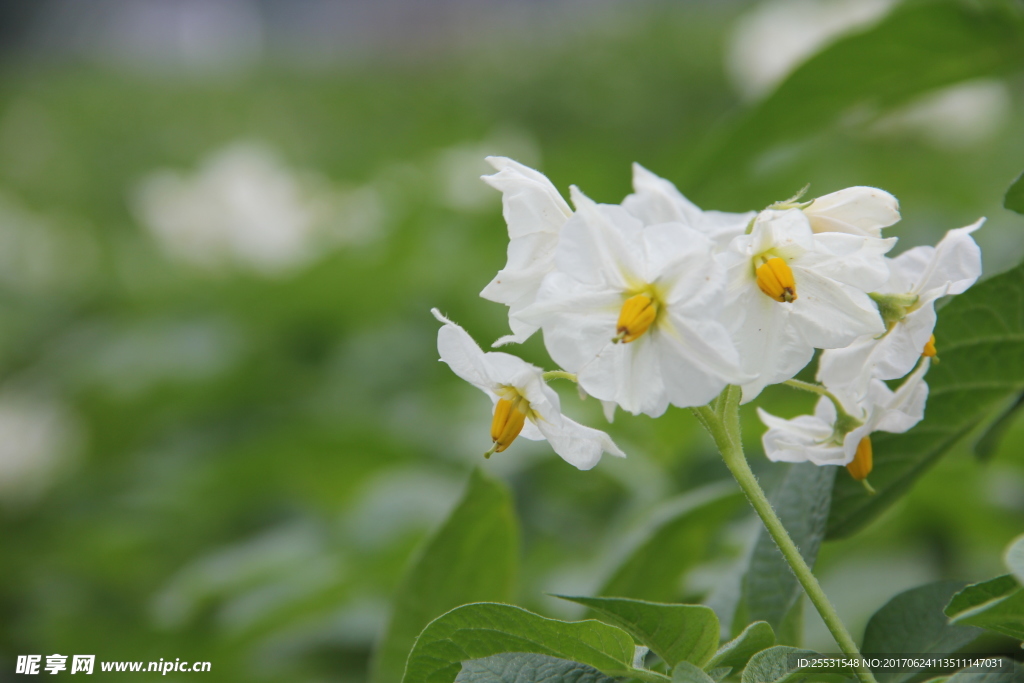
(474, 556)
(737, 652)
(676, 633)
(483, 629)
(987, 445)
(521, 667)
(773, 666)
(1014, 199)
(979, 340)
(916, 48)
(913, 622)
(686, 672)
(1014, 558)
(682, 529)
(769, 589)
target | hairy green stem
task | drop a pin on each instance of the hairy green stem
(721, 418)
(558, 374)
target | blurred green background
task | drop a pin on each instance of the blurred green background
(223, 427)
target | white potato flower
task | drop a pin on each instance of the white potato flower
(535, 213)
(523, 403)
(828, 438)
(855, 210)
(790, 291)
(919, 277)
(633, 308)
(656, 200)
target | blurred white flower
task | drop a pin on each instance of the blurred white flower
(245, 207)
(958, 117)
(457, 169)
(523, 403)
(36, 438)
(775, 37)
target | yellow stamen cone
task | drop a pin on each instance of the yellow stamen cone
(929, 348)
(508, 421)
(775, 278)
(636, 317)
(863, 460)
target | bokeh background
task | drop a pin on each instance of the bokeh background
(223, 427)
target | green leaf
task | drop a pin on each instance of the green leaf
(682, 529)
(969, 676)
(484, 629)
(918, 47)
(473, 556)
(774, 666)
(980, 593)
(1014, 558)
(1014, 200)
(737, 652)
(913, 622)
(987, 444)
(522, 667)
(997, 604)
(676, 633)
(685, 672)
(769, 589)
(980, 338)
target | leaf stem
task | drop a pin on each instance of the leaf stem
(723, 424)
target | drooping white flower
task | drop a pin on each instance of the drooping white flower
(854, 210)
(535, 213)
(824, 439)
(919, 277)
(633, 310)
(523, 403)
(656, 200)
(791, 291)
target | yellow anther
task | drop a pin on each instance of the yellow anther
(509, 418)
(863, 461)
(775, 278)
(929, 348)
(638, 313)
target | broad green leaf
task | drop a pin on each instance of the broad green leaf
(522, 667)
(769, 589)
(918, 47)
(737, 652)
(980, 338)
(683, 530)
(685, 672)
(780, 664)
(676, 633)
(1014, 558)
(997, 605)
(979, 593)
(484, 629)
(474, 556)
(987, 444)
(913, 622)
(1014, 199)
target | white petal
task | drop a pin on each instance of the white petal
(801, 439)
(462, 354)
(856, 261)
(906, 407)
(770, 346)
(830, 314)
(855, 210)
(530, 202)
(601, 245)
(578, 445)
(657, 200)
(956, 263)
(785, 232)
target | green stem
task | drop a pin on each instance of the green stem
(722, 420)
(558, 374)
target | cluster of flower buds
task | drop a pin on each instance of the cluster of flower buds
(654, 302)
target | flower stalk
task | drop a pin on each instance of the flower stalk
(721, 419)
